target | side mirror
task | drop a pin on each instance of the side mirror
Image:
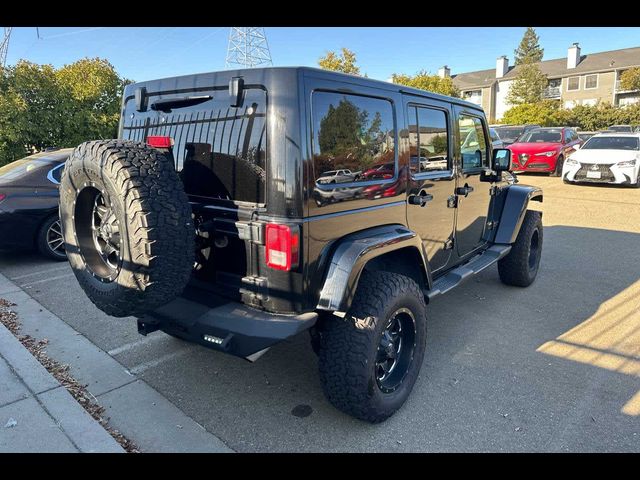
(501, 160)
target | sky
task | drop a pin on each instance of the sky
(155, 52)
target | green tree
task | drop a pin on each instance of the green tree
(44, 107)
(630, 79)
(529, 49)
(528, 86)
(431, 83)
(541, 113)
(344, 62)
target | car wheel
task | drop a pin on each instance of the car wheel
(520, 266)
(127, 226)
(637, 184)
(50, 241)
(370, 359)
(558, 170)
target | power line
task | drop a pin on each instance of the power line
(248, 47)
(4, 46)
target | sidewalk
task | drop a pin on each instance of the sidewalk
(37, 414)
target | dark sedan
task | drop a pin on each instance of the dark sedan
(29, 204)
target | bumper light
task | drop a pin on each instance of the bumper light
(571, 161)
(629, 163)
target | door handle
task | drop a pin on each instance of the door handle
(422, 199)
(466, 190)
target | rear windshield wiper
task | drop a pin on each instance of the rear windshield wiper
(166, 104)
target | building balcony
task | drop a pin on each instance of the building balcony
(619, 89)
(551, 92)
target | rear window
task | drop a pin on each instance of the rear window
(21, 169)
(541, 136)
(354, 133)
(219, 150)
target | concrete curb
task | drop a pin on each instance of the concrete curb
(133, 407)
(53, 407)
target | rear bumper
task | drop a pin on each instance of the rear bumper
(224, 325)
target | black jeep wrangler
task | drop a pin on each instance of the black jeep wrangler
(208, 218)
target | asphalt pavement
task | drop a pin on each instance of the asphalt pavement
(553, 367)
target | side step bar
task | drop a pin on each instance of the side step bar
(478, 263)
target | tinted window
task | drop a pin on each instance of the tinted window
(509, 133)
(428, 140)
(219, 150)
(355, 133)
(22, 168)
(615, 143)
(591, 81)
(494, 135)
(541, 136)
(473, 146)
(573, 83)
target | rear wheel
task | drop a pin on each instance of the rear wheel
(127, 226)
(50, 241)
(370, 359)
(520, 266)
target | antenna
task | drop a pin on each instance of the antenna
(248, 47)
(4, 46)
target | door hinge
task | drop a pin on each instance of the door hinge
(493, 190)
(452, 201)
(448, 245)
(492, 225)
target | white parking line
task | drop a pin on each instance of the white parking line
(41, 272)
(128, 346)
(138, 369)
(29, 284)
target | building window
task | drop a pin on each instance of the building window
(473, 96)
(590, 101)
(591, 81)
(573, 83)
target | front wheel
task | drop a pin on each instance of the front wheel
(370, 359)
(520, 266)
(558, 170)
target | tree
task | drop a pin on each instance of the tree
(630, 79)
(530, 82)
(431, 83)
(344, 62)
(44, 107)
(529, 50)
(541, 113)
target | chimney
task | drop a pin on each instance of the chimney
(444, 72)
(573, 56)
(502, 66)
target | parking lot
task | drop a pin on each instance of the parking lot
(554, 367)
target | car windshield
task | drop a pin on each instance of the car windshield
(621, 128)
(541, 136)
(329, 173)
(509, 133)
(611, 143)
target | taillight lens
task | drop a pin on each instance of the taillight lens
(2, 196)
(160, 142)
(283, 246)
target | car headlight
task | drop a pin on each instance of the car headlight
(545, 154)
(571, 161)
(628, 163)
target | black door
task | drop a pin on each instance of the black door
(473, 195)
(432, 180)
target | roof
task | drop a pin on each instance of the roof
(557, 68)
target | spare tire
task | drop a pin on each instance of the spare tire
(127, 226)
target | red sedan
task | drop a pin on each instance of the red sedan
(544, 149)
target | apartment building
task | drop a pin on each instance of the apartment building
(575, 80)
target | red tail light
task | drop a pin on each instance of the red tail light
(283, 246)
(2, 196)
(160, 142)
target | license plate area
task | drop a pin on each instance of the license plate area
(593, 174)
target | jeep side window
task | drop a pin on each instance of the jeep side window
(428, 140)
(352, 133)
(473, 143)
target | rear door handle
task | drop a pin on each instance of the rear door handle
(421, 199)
(466, 190)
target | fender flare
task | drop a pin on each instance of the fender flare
(514, 208)
(351, 255)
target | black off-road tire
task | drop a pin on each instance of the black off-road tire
(42, 240)
(349, 345)
(520, 267)
(156, 233)
(557, 172)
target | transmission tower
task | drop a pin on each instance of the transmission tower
(248, 47)
(4, 46)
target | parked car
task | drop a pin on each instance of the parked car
(381, 171)
(338, 176)
(510, 133)
(585, 135)
(254, 259)
(496, 141)
(606, 158)
(544, 149)
(621, 128)
(29, 204)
